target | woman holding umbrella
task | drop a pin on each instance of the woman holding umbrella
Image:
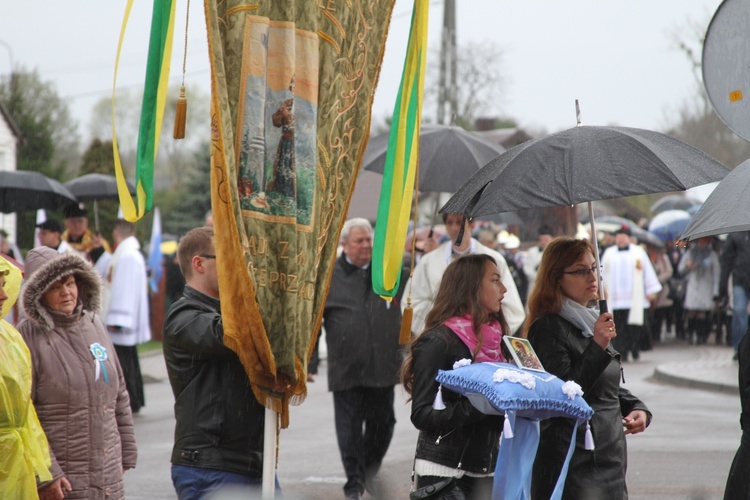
(572, 340)
(465, 324)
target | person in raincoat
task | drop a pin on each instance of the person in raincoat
(572, 340)
(700, 265)
(24, 452)
(78, 386)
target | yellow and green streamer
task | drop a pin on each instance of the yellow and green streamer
(401, 162)
(152, 109)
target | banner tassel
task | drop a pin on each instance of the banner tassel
(180, 115)
(405, 336)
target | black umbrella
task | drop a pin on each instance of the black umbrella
(22, 190)
(447, 156)
(93, 187)
(584, 164)
(673, 202)
(726, 210)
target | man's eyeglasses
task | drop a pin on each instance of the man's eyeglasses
(207, 256)
(583, 272)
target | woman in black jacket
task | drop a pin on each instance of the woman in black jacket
(465, 323)
(572, 341)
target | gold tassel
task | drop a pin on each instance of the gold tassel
(405, 335)
(180, 115)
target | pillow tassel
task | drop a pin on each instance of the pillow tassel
(589, 440)
(507, 429)
(438, 403)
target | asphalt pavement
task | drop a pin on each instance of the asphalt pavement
(693, 391)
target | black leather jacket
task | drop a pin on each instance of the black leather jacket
(445, 434)
(219, 423)
(566, 353)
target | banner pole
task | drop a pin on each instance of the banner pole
(269, 454)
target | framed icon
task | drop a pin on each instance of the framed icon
(523, 354)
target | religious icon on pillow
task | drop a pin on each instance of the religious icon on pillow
(523, 354)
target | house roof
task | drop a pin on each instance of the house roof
(12, 124)
(506, 137)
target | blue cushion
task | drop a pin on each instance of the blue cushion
(545, 400)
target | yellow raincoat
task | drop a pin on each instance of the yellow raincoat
(24, 452)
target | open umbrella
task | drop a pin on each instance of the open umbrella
(447, 156)
(93, 187)
(673, 202)
(670, 224)
(726, 210)
(611, 223)
(25, 190)
(584, 164)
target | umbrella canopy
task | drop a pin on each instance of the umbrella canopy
(727, 209)
(611, 223)
(669, 225)
(25, 190)
(673, 202)
(584, 164)
(447, 156)
(92, 187)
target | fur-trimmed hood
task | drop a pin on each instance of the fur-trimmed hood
(51, 268)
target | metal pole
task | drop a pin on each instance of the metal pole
(96, 216)
(269, 454)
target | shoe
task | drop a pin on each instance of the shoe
(310, 377)
(636, 356)
(353, 496)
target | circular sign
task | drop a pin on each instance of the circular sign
(726, 65)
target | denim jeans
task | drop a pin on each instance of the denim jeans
(195, 483)
(739, 315)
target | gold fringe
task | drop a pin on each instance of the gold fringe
(405, 336)
(180, 115)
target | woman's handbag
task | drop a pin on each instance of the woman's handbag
(677, 288)
(447, 489)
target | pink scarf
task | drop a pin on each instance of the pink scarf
(492, 336)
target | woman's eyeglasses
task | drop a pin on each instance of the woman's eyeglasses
(583, 272)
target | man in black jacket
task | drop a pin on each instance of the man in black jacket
(364, 358)
(735, 260)
(219, 424)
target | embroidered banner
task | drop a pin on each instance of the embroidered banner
(292, 89)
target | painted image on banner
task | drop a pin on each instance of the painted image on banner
(278, 120)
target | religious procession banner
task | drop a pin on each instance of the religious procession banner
(292, 89)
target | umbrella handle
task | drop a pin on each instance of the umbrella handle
(603, 306)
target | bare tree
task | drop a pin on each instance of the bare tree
(481, 82)
(174, 155)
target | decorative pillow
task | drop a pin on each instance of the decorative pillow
(495, 388)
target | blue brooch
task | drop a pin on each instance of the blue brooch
(100, 355)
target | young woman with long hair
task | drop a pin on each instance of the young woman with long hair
(465, 323)
(572, 340)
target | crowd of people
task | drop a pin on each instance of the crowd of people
(77, 381)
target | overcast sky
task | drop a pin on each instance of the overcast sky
(618, 57)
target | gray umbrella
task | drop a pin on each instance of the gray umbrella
(93, 187)
(673, 202)
(584, 164)
(447, 156)
(611, 223)
(727, 209)
(22, 190)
